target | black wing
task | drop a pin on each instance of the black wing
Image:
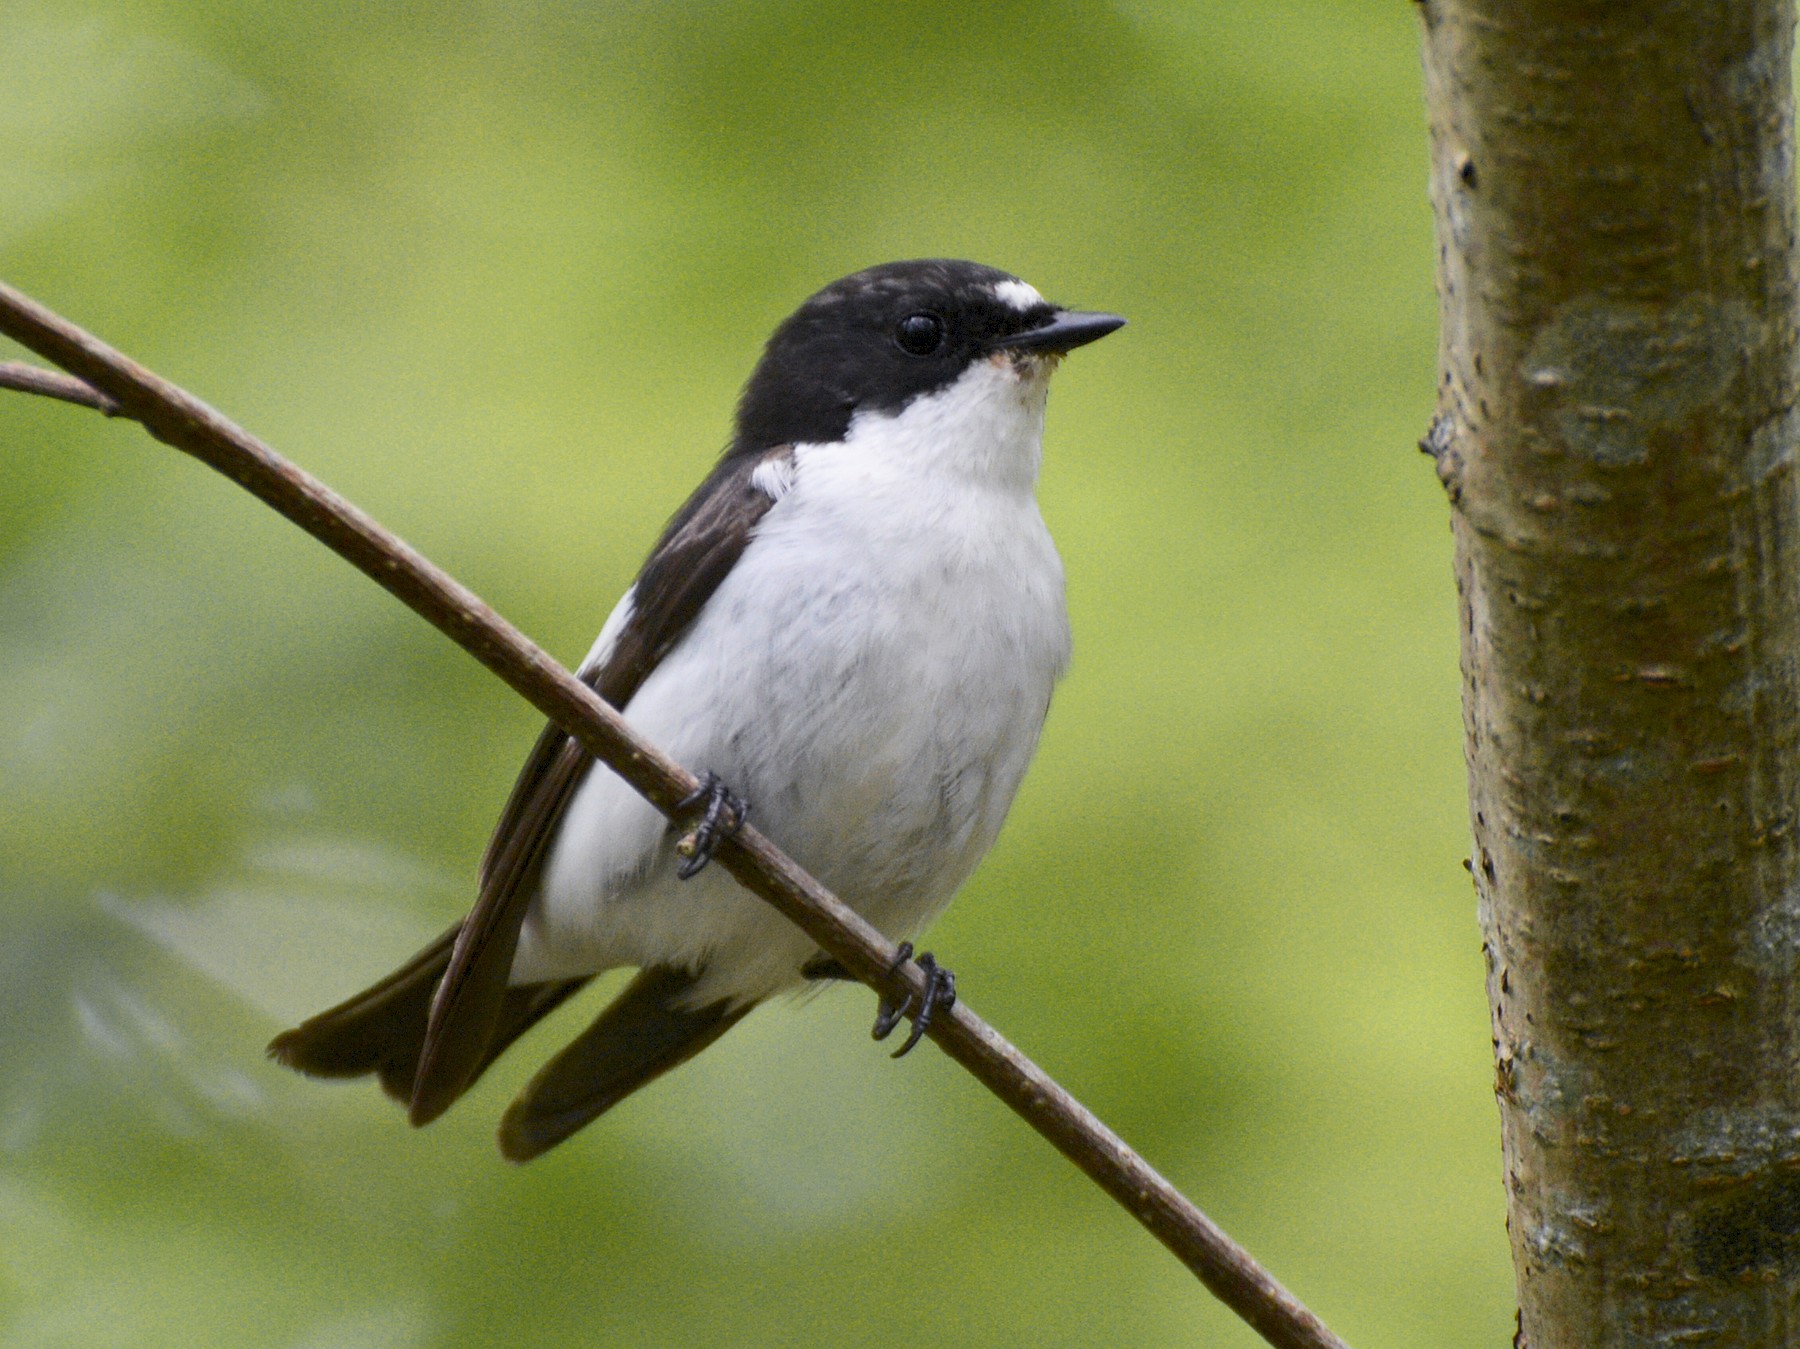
(645, 1032)
(696, 551)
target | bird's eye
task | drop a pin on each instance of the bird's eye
(920, 334)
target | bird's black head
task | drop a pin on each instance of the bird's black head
(880, 338)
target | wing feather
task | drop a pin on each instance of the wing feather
(696, 552)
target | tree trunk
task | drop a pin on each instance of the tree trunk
(1614, 190)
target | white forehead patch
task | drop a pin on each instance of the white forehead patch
(1017, 294)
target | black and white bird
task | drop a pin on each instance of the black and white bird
(854, 624)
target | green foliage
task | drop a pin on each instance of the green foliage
(496, 271)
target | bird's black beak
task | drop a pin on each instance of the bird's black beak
(1066, 330)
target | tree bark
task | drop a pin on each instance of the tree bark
(1614, 190)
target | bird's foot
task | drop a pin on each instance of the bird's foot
(724, 816)
(940, 991)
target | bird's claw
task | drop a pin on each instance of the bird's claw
(940, 991)
(724, 816)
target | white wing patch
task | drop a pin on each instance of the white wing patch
(774, 477)
(1017, 294)
(602, 650)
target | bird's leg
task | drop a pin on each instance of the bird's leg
(940, 991)
(888, 1014)
(724, 816)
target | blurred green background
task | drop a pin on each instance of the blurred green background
(496, 271)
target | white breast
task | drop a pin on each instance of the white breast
(872, 676)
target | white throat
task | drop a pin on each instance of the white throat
(987, 428)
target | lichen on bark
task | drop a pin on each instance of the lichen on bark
(1613, 184)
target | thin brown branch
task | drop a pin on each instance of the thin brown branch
(178, 418)
(50, 384)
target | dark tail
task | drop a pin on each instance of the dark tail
(640, 1036)
(382, 1029)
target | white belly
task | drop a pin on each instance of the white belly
(872, 677)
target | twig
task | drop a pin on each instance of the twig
(178, 418)
(49, 384)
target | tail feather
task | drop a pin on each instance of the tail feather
(379, 1030)
(641, 1035)
(382, 1029)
